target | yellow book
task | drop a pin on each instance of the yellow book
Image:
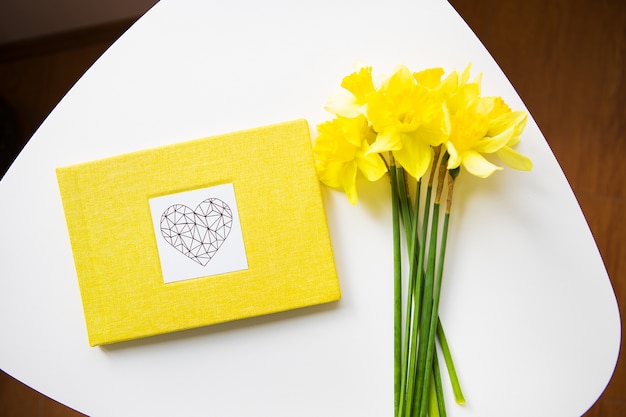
(198, 233)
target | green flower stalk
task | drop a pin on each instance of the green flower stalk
(397, 267)
(447, 355)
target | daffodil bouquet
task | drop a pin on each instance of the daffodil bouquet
(423, 130)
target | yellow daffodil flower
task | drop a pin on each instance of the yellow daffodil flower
(352, 101)
(429, 78)
(409, 120)
(340, 150)
(486, 125)
(458, 91)
(512, 158)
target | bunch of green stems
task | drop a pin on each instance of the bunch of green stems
(418, 332)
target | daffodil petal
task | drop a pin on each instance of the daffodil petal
(400, 78)
(372, 165)
(466, 73)
(477, 165)
(495, 106)
(415, 156)
(387, 140)
(516, 119)
(436, 131)
(514, 140)
(455, 159)
(449, 84)
(330, 173)
(348, 182)
(343, 103)
(514, 159)
(494, 144)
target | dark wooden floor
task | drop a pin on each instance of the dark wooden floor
(566, 58)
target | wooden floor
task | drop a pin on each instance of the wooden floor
(566, 58)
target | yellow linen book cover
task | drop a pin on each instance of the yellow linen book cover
(198, 233)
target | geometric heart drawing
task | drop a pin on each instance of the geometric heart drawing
(199, 233)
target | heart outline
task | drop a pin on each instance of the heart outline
(197, 234)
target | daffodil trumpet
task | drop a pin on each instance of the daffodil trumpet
(406, 126)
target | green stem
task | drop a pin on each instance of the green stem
(397, 280)
(405, 205)
(438, 387)
(417, 303)
(411, 299)
(433, 283)
(423, 359)
(433, 403)
(454, 379)
(436, 295)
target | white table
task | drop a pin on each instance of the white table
(527, 304)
